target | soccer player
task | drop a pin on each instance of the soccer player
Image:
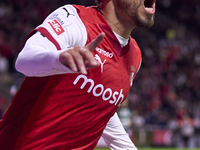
(79, 66)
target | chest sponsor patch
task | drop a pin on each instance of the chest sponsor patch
(98, 90)
(56, 26)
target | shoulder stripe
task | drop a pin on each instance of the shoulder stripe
(49, 37)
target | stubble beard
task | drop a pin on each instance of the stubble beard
(132, 12)
(147, 23)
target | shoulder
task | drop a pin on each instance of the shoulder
(90, 14)
(85, 10)
(135, 45)
(66, 27)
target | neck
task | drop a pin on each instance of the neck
(118, 23)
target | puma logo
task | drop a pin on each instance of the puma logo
(99, 60)
(67, 12)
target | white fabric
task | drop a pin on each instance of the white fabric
(39, 57)
(75, 31)
(121, 40)
(116, 137)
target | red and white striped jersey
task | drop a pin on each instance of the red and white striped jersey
(65, 110)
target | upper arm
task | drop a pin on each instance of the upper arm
(39, 57)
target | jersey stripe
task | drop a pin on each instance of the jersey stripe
(49, 37)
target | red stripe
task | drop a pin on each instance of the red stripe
(49, 37)
(46, 33)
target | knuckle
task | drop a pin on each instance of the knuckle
(77, 48)
(65, 56)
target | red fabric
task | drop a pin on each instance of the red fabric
(70, 111)
(19, 110)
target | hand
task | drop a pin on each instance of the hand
(81, 58)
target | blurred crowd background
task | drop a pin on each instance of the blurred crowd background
(163, 107)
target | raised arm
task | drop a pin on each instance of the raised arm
(40, 55)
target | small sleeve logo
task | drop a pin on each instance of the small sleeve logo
(132, 75)
(56, 26)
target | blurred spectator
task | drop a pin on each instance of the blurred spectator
(187, 127)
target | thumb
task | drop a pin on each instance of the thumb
(95, 42)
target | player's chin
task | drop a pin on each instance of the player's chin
(149, 24)
(146, 22)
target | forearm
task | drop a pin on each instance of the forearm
(39, 57)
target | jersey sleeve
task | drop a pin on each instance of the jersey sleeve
(115, 136)
(66, 27)
(60, 31)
